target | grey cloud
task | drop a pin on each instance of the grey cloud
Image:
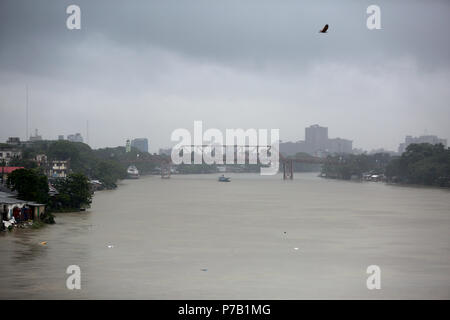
(145, 68)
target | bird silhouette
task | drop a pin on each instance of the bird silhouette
(324, 30)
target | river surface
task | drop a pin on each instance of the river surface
(191, 237)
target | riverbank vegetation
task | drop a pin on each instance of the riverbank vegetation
(30, 185)
(350, 166)
(94, 164)
(73, 193)
(423, 164)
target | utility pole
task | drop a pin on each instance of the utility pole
(87, 132)
(26, 115)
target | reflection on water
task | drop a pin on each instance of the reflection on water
(256, 237)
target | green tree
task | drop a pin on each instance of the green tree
(422, 164)
(74, 191)
(29, 184)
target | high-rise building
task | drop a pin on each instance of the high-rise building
(36, 136)
(317, 143)
(140, 143)
(316, 137)
(75, 137)
(422, 139)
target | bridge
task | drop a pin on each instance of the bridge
(286, 163)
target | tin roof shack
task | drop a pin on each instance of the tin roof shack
(37, 209)
(20, 210)
(10, 207)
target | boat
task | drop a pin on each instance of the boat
(224, 179)
(132, 172)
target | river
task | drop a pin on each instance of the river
(191, 237)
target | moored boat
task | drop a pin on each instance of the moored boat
(132, 172)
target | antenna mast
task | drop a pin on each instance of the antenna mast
(26, 112)
(87, 132)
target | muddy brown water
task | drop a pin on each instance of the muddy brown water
(191, 237)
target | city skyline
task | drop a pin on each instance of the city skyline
(196, 151)
(326, 144)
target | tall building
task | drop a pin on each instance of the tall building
(422, 139)
(75, 137)
(36, 136)
(316, 138)
(140, 143)
(317, 143)
(338, 145)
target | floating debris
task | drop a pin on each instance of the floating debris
(110, 246)
(204, 270)
(43, 243)
(295, 248)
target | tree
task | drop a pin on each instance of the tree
(74, 191)
(29, 184)
(422, 164)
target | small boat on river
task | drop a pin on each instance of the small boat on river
(224, 179)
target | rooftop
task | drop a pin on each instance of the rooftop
(8, 170)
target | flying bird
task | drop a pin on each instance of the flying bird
(324, 30)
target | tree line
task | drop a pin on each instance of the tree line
(423, 164)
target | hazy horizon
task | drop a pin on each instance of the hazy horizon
(146, 68)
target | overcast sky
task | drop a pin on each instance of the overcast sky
(145, 68)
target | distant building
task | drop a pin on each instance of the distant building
(8, 153)
(61, 137)
(292, 148)
(127, 146)
(317, 143)
(36, 136)
(338, 145)
(140, 143)
(59, 169)
(381, 150)
(41, 160)
(166, 152)
(13, 141)
(75, 137)
(422, 139)
(316, 138)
